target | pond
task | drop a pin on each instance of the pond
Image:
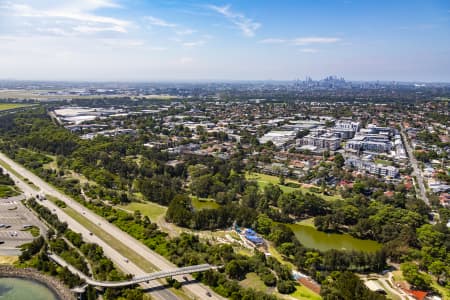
(312, 238)
(24, 289)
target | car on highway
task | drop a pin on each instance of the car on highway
(208, 294)
(2, 242)
(126, 260)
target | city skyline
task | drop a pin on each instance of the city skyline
(105, 40)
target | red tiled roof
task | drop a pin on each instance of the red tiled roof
(419, 295)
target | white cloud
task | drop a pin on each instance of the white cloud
(309, 50)
(246, 25)
(68, 12)
(160, 22)
(185, 31)
(193, 44)
(93, 29)
(122, 43)
(53, 31)
(273, 41)
(315, 40)
(302, 41)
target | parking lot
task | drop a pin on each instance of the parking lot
(14, 217)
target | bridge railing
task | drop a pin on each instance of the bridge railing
(135, 280)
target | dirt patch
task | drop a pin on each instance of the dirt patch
(8, 260)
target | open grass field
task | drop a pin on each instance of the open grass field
(8, 106)
(304, 293)
(384, 162)
(253, 281)
(264, 179)
(277, 255)
(202, 203)
(152, 210)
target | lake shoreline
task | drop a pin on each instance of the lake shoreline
(54, 285)
(310, 237)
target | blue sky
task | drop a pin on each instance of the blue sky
(224, 40)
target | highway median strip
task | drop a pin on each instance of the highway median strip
(109, 239)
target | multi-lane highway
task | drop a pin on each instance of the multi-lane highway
(126, 266)
(198, 290)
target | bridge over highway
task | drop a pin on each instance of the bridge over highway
(135, 280)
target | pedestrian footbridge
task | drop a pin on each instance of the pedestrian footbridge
(135, 280)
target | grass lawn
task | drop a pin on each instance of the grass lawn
(277, 255)
(7, 191)
(384, 162)
(304, 293)
(7, 106)
(203, 203)
(35, 232)
(245, 251)
(152, 210)
(264, 179)
(51, 165)
(253, 281)
(307, 222)
(442, 290)
(398, 276)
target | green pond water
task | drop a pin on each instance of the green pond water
(24, 289)
(312, 238)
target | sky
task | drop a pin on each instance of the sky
(195, 40)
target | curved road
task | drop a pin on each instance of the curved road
(197, 289)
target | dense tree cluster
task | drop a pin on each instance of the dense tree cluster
(121, 169)
(347, 286)
(79, 257)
